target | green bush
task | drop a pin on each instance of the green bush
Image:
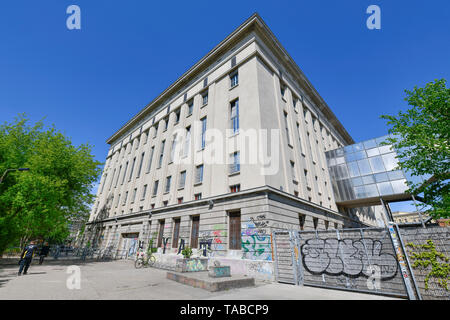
(187, 252)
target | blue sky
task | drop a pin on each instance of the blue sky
(89, 82)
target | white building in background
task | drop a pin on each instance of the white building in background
(189, 168)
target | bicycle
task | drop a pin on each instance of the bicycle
(142, 261)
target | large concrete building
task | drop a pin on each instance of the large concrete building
(232, 150)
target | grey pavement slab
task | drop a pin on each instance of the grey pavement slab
(120, 280)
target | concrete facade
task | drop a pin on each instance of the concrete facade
(136, 200)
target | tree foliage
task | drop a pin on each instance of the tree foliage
(421, 138)
(39, 204)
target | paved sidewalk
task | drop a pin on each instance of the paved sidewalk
(120, 280)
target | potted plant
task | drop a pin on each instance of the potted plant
(187, 252)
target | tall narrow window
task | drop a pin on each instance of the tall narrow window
(203, 134)
(283, 90)
(235, 116)
(182, 180)
(190, 107)
(104, 182)
(140, 165)
(235, 231)
(234, 79)
(132, 168)
(156, 130)
(176, 232)
(172, 149)
(316, 223)
(124, 172)
(177, 116)
(161, 233)
(155, 188)
(301, 220)
(199, 174)
(168, 180)
(195, 231)
(112, 179)
(144, 192)
(205, 98)
(134, 195)
(146, 133)
(300, 140)
(166, 123)
(125, 198)
(235, 165)
(293, 171)
(187, 142)
(286, 123)
(161, 154)
(150, 159)
(118, 175)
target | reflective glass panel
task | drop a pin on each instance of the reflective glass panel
(370, 144)
(364, 167)
(399, 186)
(340, 160)
(390, 162)
(357, 182)
(380, 140)
(360, 192)
(395, 175)
(360, 155)
(371, 190)
(348, 149)
(358, 147)
(384, 188)
(385, 149)
(381, 177)
(342, 171)
(353, 169)
(377, 164)
(373, 152)
(368, 179)
(350, 157)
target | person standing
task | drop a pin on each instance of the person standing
(26, 257)
(44, 252)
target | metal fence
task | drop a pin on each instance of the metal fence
(364, 260)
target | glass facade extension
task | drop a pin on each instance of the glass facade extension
(365, 170)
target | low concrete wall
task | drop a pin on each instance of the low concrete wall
(258, 269)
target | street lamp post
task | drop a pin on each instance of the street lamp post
(9, 170)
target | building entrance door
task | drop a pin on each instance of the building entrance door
(129, 245)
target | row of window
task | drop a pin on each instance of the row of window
(234, 81)
(197, 196)
(234, 124)
(235, 235)
(234, 231)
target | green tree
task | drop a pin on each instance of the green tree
(421, 138)
(38, 204)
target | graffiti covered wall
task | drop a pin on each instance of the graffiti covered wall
(359, 259)
(256, 239)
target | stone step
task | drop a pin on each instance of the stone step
(202, 280)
